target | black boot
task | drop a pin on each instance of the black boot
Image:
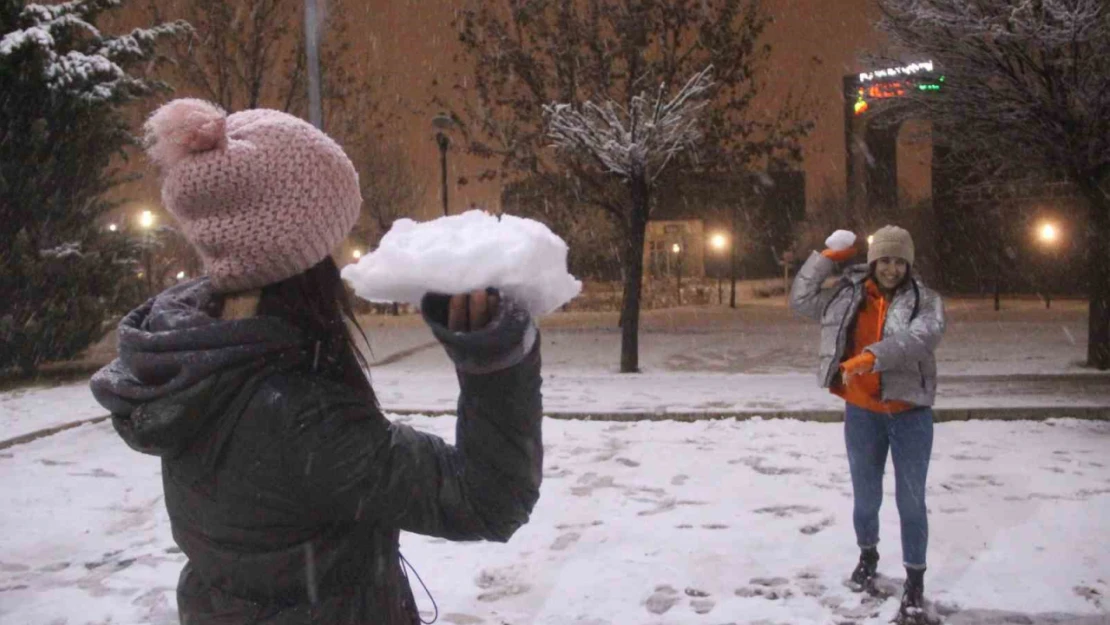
(912, 610)
(863, 578)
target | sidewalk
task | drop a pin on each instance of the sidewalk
(702, 363)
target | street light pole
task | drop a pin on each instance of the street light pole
(677, 249)
(734, 259)
(442, 123)
(443, 142)
(146, 222)
(1049, 235)
(312, 51)
(719, 243)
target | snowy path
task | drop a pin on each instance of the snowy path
(635, 523)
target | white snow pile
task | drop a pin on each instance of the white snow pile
(840, 240)
(461, 253)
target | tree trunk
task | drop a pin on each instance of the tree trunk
(1098, 273)
(633, 261)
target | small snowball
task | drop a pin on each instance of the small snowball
(840, 240)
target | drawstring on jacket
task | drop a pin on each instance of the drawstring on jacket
(405, 565)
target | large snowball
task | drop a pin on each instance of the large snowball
(461, 253)
(840, 240)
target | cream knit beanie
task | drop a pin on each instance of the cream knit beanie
(890, 241)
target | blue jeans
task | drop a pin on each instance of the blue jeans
(909, 437)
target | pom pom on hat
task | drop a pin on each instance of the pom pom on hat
(183, 127)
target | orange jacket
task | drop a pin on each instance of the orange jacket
(864, 390)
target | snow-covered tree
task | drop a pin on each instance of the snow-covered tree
(634, 144)
(524, 54)
(63, 87)
(1027, 86)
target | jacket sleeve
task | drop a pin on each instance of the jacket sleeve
(915, 343)
(807, 297)
(359, 467)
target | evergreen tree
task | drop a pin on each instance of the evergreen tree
(64, 87)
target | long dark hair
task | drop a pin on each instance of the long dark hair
(318, 303)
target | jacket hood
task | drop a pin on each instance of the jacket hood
(179, 366)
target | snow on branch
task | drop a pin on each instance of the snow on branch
(639, 140)
(76, 58)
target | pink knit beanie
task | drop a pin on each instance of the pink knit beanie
(262, 195)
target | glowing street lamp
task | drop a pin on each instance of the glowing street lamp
(719, 242)
(1048, 233)
(146, 220)
(181, 275)
(112, 227)
(870, 239)
(357, 254)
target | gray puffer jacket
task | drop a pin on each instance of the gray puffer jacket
(913, 328)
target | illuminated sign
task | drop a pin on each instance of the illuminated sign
(890, 89)
(905, 70)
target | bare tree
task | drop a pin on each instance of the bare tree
(1027, 85)
(241, 52)
(251, 53)
(390, 190)
(246, 54)
(635, 144)
(525, 54)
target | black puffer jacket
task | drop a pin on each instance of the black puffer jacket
(286, 491)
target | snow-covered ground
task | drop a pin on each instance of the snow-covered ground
(700, 360)
(648, 522)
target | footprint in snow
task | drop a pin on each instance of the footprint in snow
(499, 584)
(663, 599)
(564, 541)
(814, 528)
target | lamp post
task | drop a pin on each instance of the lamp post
(787, 260)
(146, 223)
(677, 249)
(312, 52)
(1049, 236)
(443, 122)
(719, 242)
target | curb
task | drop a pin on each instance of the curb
(50, 431)
(943, 415)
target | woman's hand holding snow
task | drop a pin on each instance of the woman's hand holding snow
(840, 246)
(472, 311)
(482, 331)
(463, 253)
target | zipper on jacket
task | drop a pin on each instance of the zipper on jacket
(883, 308)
